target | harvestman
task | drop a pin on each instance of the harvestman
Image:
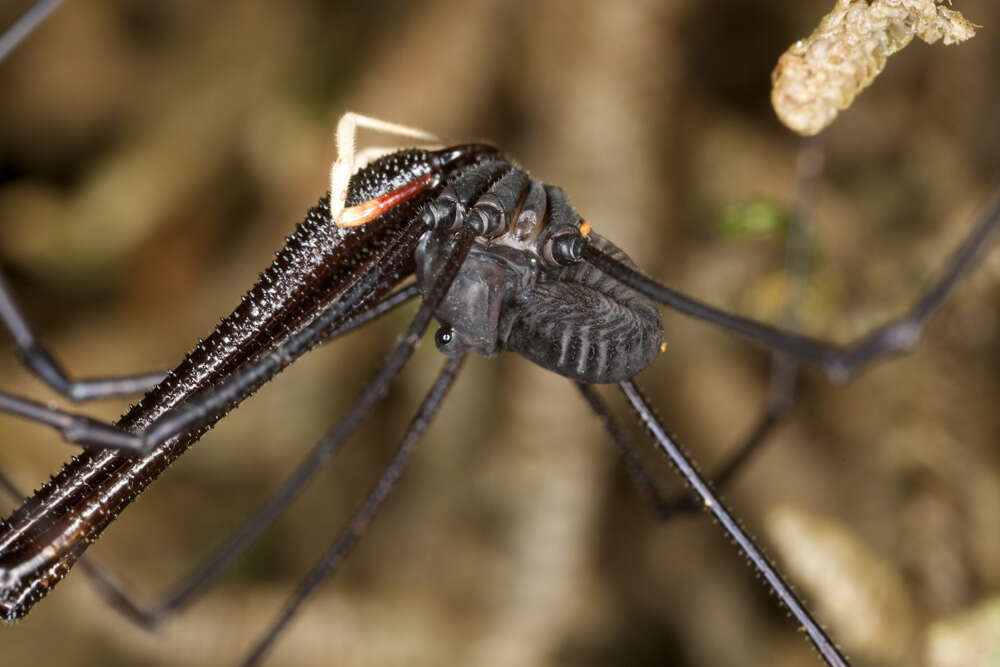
(448, 201)
(474, 224)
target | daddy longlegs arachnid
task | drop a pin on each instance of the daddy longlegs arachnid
(484, 210)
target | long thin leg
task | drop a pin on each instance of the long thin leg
(839, 361)
(633, 463)
(41, 363)
(354, 530)
(25, 25)
(664, 508)
(74, 427)
(711, 502)
(784, 370)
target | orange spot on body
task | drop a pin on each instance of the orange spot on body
(663, 347)
(585, 229)
(366, 211)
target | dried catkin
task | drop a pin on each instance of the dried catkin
(822, 74)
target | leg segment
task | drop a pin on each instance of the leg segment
(205, 406)
(25, 25)
(41, 363)
(711, 502)
(191, 586)
(779, 404)
(839, 361)
(354, 530)
(77, 428)
(246, 380)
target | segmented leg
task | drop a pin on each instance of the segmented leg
(839, 361)
(194, 584)
(338, 551)
(101, 580)
(370, 394)
(79, 428)
(25, 25)
(711, 502)
(347, 160)
(38, 360)
(779, 404)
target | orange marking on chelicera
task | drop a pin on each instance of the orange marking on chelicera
(585, 229)
(366, 211)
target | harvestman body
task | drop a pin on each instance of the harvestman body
(501, 259)
(515, 291)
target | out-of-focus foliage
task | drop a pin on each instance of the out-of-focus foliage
(753, 218)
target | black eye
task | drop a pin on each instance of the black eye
(446, 340)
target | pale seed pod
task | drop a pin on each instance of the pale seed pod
(819, 76)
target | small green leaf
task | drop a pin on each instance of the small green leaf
(753, 218)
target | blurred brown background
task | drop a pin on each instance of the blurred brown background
(154, 155)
